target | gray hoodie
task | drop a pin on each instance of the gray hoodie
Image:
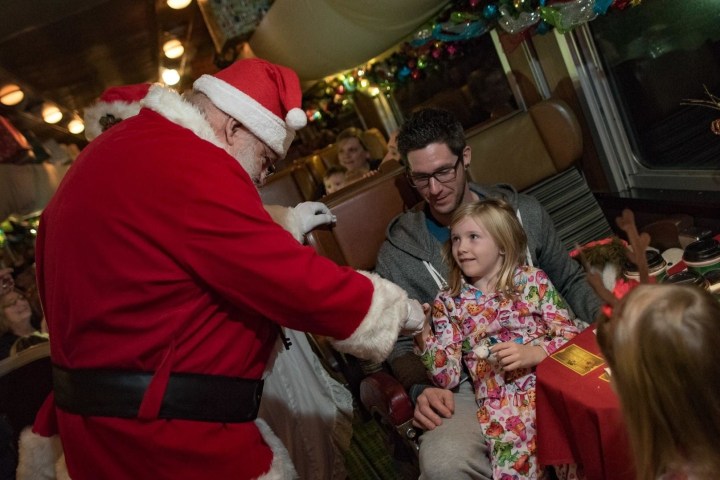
(409, 243)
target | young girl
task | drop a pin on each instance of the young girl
(501, 318)
(661, 343)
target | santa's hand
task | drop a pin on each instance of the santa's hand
(415, 320)
(313, 214)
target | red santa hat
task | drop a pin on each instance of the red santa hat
(115, 104)
(266, 98)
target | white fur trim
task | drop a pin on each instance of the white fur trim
(281, 467)
(376, 335)
(296, 118)
(39, 456)
(171, 105)
(61, 472)
(94, 113)
(264, 124)
(610, 275)
(286, 218)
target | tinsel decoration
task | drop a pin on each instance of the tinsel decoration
(449, 36)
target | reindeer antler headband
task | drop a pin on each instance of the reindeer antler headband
(713, 103)
(635, 253)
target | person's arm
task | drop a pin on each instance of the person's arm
(556, 318)
(554, 329)
(405, 365)
(441, 350)
(566, 274)
(230, 243)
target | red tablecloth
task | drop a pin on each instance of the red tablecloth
(579, 419)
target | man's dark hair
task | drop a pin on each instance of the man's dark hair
(431, 125)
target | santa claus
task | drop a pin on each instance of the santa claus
(165, 308)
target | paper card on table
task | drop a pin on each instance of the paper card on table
(578, 359)
(605, 375)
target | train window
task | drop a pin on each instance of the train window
(473, 85)
(649, 61)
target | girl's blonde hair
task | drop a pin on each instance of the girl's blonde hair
(662, 347)
(498, 218)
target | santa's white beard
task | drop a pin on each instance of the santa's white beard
(251, 165)
(257, 174)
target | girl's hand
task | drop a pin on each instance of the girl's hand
(511, 356)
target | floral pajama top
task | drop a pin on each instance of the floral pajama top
(466, 326)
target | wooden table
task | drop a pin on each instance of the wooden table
(579, 419)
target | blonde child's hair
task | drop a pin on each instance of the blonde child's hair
(498, 218)
(661, 344)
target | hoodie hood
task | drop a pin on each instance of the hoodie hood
(408, 232)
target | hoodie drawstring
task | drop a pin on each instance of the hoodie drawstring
(439, 280)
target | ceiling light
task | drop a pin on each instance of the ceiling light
(11, 95)
(51, 113)
(178, 4)
(76, 126)
(173, 48)
(170, 76)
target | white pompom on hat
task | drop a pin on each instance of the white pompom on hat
(120, 102)
(264, 97)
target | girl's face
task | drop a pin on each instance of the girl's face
(16, 308)
(475, 251)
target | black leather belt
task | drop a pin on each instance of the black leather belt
(189, 396)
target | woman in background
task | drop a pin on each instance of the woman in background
(16, 320)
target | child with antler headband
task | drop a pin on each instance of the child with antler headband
(501, 318)
(661, 343)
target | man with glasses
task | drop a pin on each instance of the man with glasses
(432, 141)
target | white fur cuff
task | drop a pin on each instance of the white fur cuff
(376, 335)
(286, 218)
(282, 467)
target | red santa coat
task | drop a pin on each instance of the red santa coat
(156, 254)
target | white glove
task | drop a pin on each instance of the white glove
(415, 320)
(313, 214)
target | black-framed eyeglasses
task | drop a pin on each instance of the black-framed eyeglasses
(442, 175)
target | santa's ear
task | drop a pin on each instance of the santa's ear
(231, 130)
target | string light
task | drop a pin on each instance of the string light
(170, 76)
(11, 94)
(178, 4)
(173, 48)
(76, 126)
(51, 113)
